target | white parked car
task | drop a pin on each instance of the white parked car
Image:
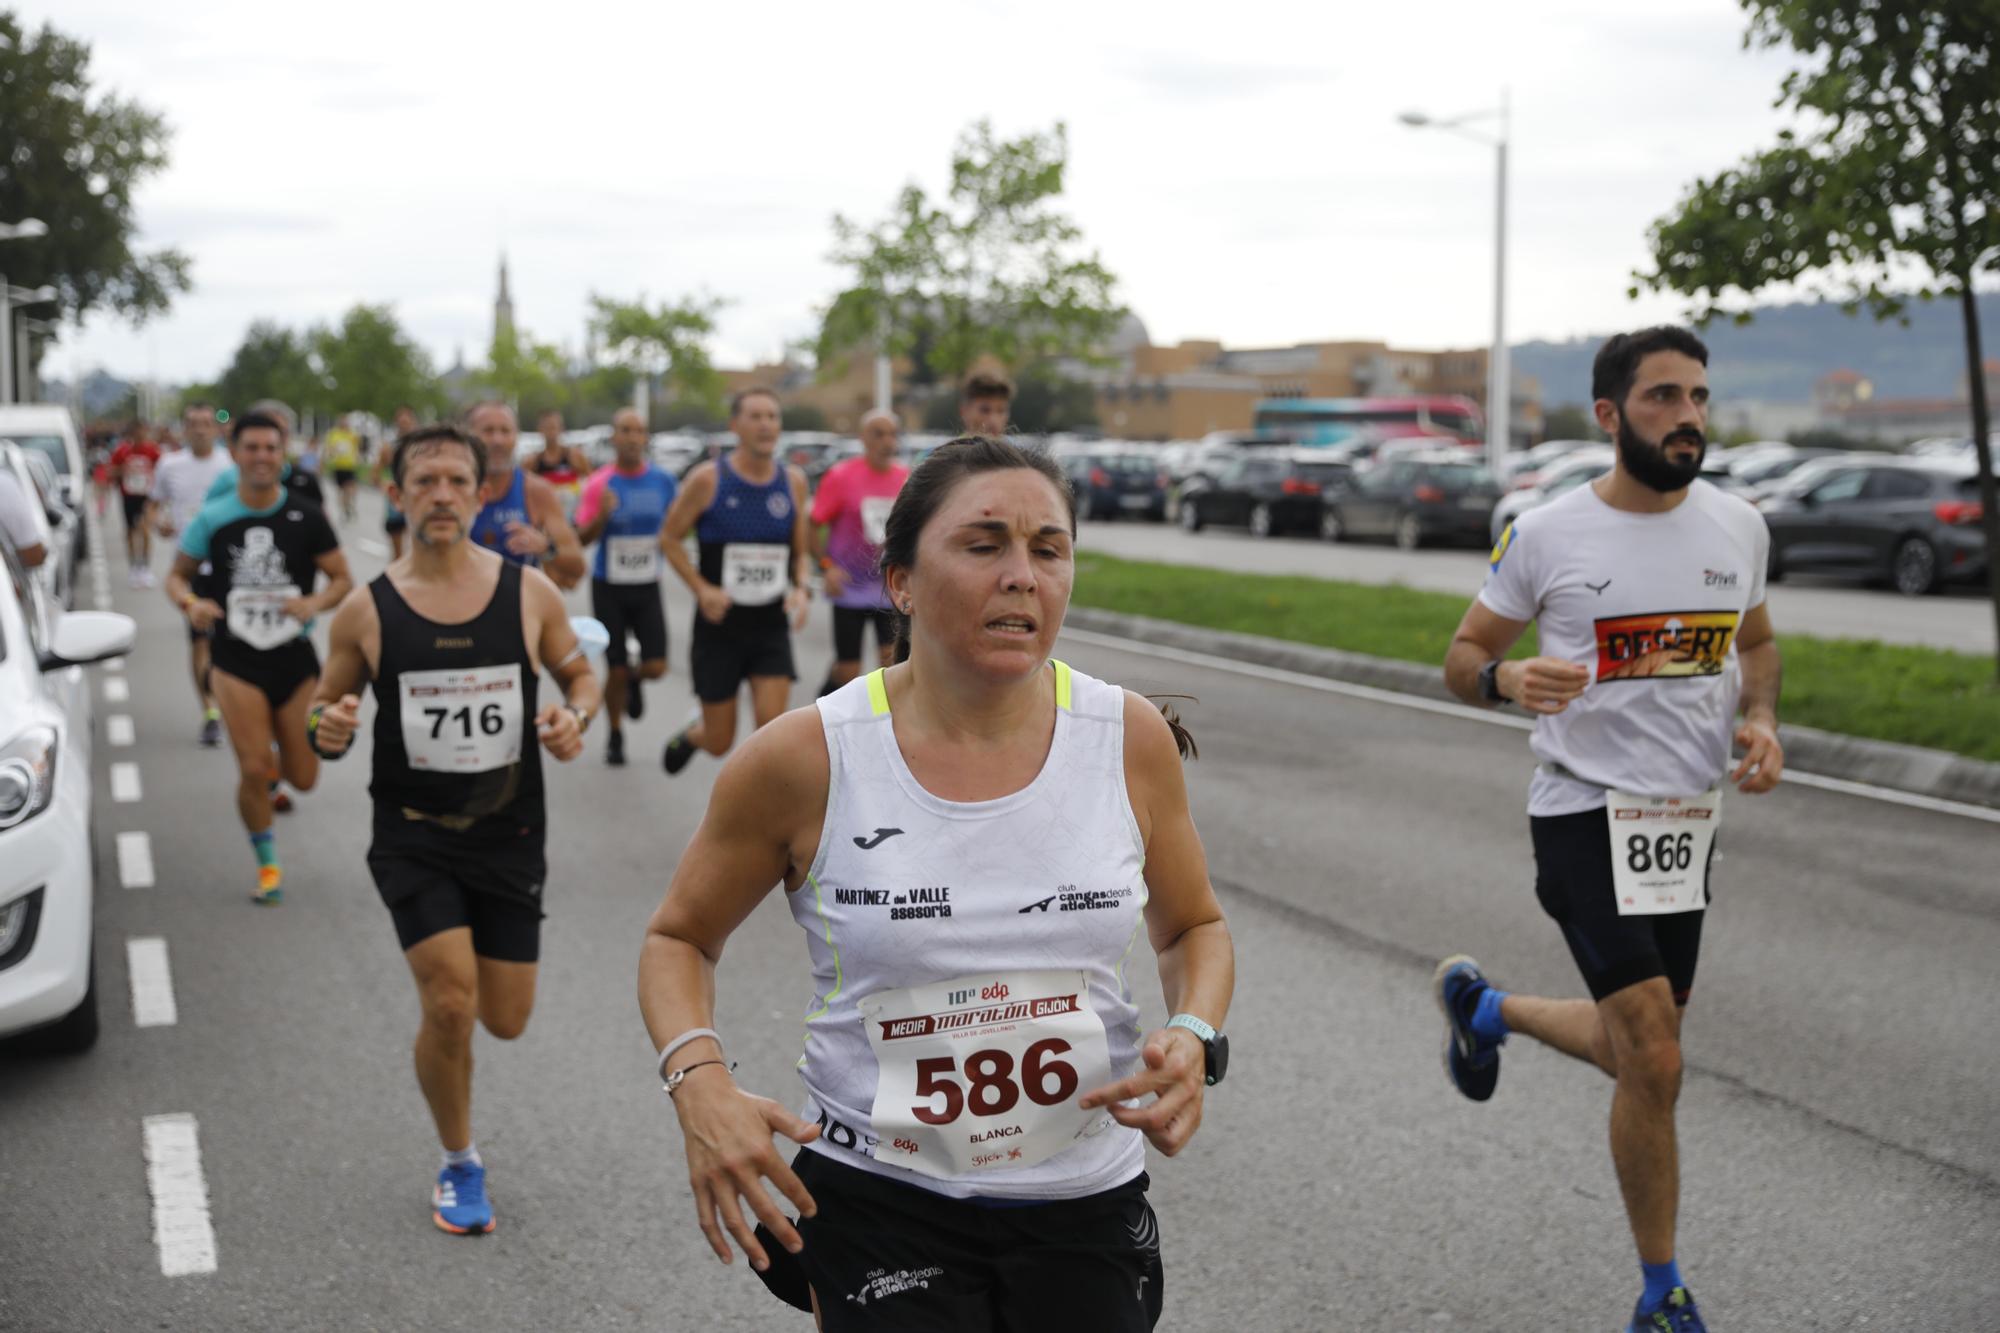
(1569, 471)
(48, 981)
(58, 526)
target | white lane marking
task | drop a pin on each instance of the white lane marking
(115, 665)
(135, 860)
(370, 547)
(1887, 795)
(125, 782)
(118, 728)
(116, 690)
(181, 1228)
(152, 983)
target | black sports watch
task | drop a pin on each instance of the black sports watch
(1214, 1045)
(1489, 684)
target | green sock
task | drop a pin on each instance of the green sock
(265, 844)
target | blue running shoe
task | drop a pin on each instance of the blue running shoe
(459, 1205)
(1678, 1315)
(1472, 1062)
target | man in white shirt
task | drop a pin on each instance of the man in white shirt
(17, 520)
(180, 488)
(1648, 589)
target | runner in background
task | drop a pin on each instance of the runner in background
(985, 403)
(623, 509)
(342, 457)
(133, 463)
(180, 489)
(245, 570)
(560, 465)
(521, 519)
(850, 514)
(394, 525)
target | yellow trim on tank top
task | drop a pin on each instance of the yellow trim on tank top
(878, 689)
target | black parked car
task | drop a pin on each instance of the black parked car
(1268, 492)
(1416, 500)
(1111, 482)
(1913, 523)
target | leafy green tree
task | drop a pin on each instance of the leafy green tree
(528, 374)
(1895, 173)
(1569, 422)
(271, 362)
(1046, 402)
(75, 159)
(367, 363)
(994, 269)
(803, 416)
(665, 343)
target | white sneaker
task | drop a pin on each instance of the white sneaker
(134, 577)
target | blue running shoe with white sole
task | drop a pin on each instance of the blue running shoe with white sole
(1471, 1061)
(459, 1204)
(1678, 1315)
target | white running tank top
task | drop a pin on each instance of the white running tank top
(909, 894)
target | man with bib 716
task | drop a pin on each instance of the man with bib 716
(1648, 589)
(977, 842)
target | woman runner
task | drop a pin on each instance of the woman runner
(973, 840)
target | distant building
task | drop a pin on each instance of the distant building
(1845, 400)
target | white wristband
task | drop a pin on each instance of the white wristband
(692, 1034)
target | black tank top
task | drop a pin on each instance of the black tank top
(444, 737)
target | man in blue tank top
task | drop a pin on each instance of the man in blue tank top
(522, 517)
(751, 582)
(622, 510)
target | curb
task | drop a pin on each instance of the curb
(1938, 774)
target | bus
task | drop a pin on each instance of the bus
(1322, 421)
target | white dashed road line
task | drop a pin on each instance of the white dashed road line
(181, 1228)
(152, 983)
(125, 782)
(118, 729)
(116, 690)
(135, 860)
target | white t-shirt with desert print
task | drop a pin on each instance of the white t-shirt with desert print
(1652, 604)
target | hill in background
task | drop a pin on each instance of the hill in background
(1778, 356)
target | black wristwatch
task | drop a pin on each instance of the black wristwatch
(1489, 684)
(1214, 1045)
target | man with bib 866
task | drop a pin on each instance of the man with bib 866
(1648, 587)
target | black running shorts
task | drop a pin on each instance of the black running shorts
(849, 621)
(135, 511)
(488, 877)
(277, 672)
(886, 1257)
(635, 609)
(720, 660)
(1573, 879)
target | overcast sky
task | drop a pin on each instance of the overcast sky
(1239, 166)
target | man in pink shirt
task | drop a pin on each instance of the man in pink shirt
(849, 515)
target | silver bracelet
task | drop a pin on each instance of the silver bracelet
(692, 1034)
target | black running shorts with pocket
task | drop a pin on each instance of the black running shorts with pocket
(635, 609)
(886, 1257)
(488, 877)
(1573, 880)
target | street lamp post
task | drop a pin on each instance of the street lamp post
(1499, 381)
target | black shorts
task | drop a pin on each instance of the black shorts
(278, 672)
(488, 877)
(634, 608)
(720, 660)
(135, 510)
(395, 520)
(884, 1256)
(1573, 879)
(849, 621)
(343, 476)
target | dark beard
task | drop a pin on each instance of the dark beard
(1648, 464)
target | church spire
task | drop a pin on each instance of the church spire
(503, 304)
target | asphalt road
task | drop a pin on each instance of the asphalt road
(1959, 618)
(1841, 1120)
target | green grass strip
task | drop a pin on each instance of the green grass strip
(1890, 692)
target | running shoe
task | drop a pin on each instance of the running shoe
(1678, 1315)
(459, 1203)
(1471, 1061)
(268, 893)
(679, 750)
(281, 800)
(614, 750)
(211, 732)
(635, 698)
